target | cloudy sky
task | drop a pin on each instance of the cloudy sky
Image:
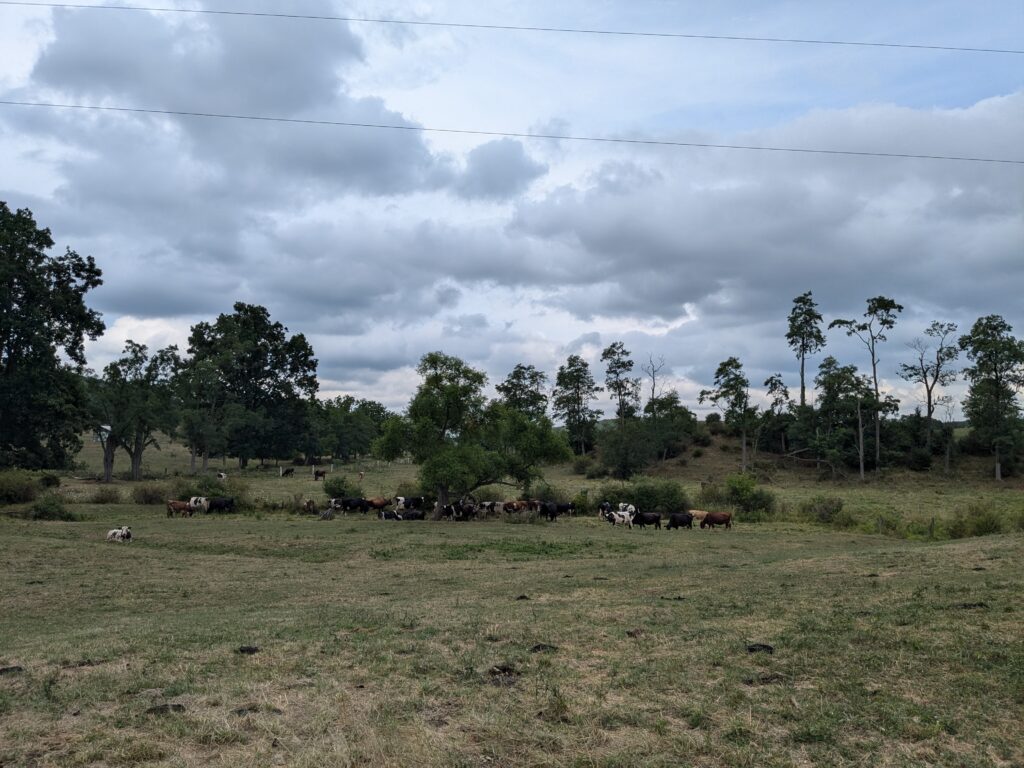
(381, 245)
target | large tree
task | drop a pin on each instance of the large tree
(843, 397)
(996, 373)
(879, 318)
(43, 326)
(523, 390)
(805, 336)
(932, 368)
(575, 390)
(264, 376)
(622, 387)
(461, 441)
(732, 396)
(134, 401)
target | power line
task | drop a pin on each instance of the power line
(512, 27)
(509, 134)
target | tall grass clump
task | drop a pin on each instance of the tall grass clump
(338, 486)
(50, 506)
(105, 494)
(17, 486)
(149, 493)
(977, 520)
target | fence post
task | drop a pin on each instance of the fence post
(879, 523)
(931, 529)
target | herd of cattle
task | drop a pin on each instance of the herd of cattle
(200, 504)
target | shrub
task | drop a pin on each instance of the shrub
(821, 509)
(50, 507)
(596, 472)
(338, 486)
(647, 495)
(698, 452)
(583, 503)
(49, 481)
(919, 460)
(16, 486)
(742, 492)
(149, 493)
(105, 494)
(580, 465)
(703, 439)
(185, 488)
(978, 520)
(547, 492)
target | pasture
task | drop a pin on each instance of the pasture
(494, 644)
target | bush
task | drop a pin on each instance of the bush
(209, 486)
(580, 465)
(698, 452)
(547, 492)
(50, 507)
(646, 495)
(105, 494)
(596, 472)
(821, 509)
(742, 492)
(919, 460)
(338, 486)
(149, 493)
(703, 439)
(16, 486)
(49, 481)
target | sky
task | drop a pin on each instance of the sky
(382, 245)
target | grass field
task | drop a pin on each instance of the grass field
(492, 644)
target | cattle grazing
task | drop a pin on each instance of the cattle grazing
(408, 502)
(388, 514)
(625, 506)
(222, 504)
(711, 519)
(122, 534)
(349, 504)
(414, 514)
(680, 520)
(489, 507)
(377, 502)
(514, 506)
(199, 504)
(604, 508)
(567, 509)
(550, 510)
(287, 472)
(643, 519)
(615, 517)
(310, 508)
(319, 474)
(444, 511)
(534, 505)
(181, 507)
(465, 510)
(222, 475)
(698, 514)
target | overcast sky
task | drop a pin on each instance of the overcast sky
(382, 245)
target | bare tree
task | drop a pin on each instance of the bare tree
(652, 369)
(931, 368)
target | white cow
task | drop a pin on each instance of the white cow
(199, 504)
(123, 534)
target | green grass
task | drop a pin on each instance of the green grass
(393, 644)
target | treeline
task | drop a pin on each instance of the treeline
(244, 388)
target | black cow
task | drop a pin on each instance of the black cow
(414, 514)
(567, 509)
(222, 504)
(550, 510)
(680, 520)
(604, 508)
(350, 504)
(387, 514)
(447, 511)
(287, 472)
(409, 502)
(647, 518)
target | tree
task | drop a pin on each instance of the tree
(732, 395)
(263, 375)
(135, 401)
(201, 404)
(350, 426)
(843, 393)
(804, 336)
(461, 441)
(623, 389)
(43, 326)
(523, 391)
(774, 420)
(668, 425)
(574, 390)
(931, 369)
(995, 376)
(881, 317)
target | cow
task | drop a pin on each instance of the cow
(465, 510)
(604, 508)
(414, 514)
(319, 474)
(534, 505)
(122, 534)
(711, 519)
(680, 520)
(388, 514)
(444, 511)
(618, 518)
(489, 507)
(550, 510)
(287, 472)
(514, 506)
(310, 508)
(698, 514)
(349, 504)
(377, 503)
(222, 475)
(199, 504)
(181, 507)
(567, 509)
(408, 502)
(644, 519)
(625, 506)
(222, 504)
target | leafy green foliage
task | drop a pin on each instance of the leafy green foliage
(623, 388)
(50, 507)
(523, 391)
(149, 493)
(647, 495)
(575, 389)
(742, 492)
(821, 508)
(43, 326)
(17, 485)
(339, 486)
(804, 335)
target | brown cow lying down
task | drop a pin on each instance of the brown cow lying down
(711, 519)
(181, 507)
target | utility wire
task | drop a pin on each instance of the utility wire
(511, 27)
(510, 134)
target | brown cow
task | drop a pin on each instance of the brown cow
(514, 506)
(699, 514)
(183, 507)
(711, 519)
(378, 502)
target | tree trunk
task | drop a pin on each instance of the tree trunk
(109, 449)
(206, 460)
(860, 440)
(743, 451)
(192, 460)
(138, 446)
(803, 390)
(999, 465)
